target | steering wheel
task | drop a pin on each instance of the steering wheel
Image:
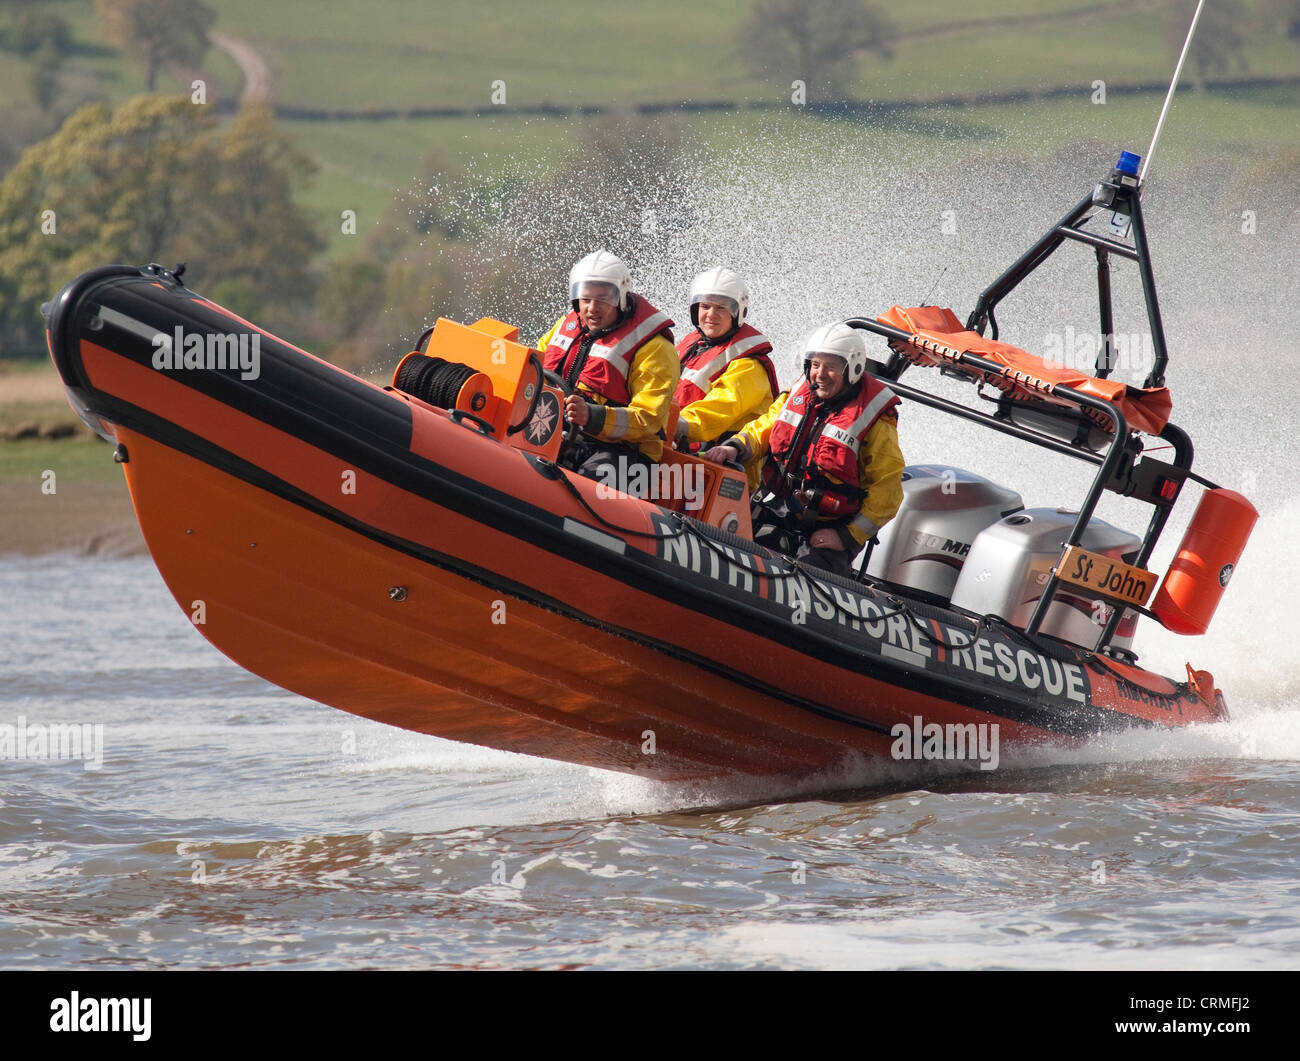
(570, 433)
(556, 380)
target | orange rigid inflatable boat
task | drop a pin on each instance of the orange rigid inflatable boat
(414, 555)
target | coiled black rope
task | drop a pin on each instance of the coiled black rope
(433, 380)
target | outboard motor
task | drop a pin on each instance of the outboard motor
(925, 545)
(1011, 561)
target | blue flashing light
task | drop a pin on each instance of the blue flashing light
(1128, 163)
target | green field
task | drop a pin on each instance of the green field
(75, 460)
(408, 54)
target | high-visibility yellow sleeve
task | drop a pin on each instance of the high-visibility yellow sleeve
(738, 396)
(651, 380)
(755, 434)
(880, 474)
(545, 340)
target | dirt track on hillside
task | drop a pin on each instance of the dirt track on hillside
(257, 75)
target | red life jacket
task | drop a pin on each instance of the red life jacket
(806, 449)
(702, 367)
(603, 370)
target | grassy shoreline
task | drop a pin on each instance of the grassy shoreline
(60, 489)
(65, 495)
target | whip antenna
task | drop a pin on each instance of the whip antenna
(926, 300)
(1187, 44)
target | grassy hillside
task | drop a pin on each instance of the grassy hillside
(361, 163)
(409, 54)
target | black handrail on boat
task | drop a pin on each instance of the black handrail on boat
(1116, 194)
(1117, 469)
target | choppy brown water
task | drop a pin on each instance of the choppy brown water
(234, 825)
(231, 825)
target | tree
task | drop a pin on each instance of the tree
(28, 29)
(1281, 16)
(43, 37)
(621, 187)
(158, 31)
(406, 269)
(255, 245)
(1220, 41)
(815, 41)
(469, 243)
(155, 180)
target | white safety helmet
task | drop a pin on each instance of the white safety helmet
(721, 285)
(842, 341)
(601, 267)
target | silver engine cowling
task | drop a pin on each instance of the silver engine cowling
(925, 545)
(1011, 561)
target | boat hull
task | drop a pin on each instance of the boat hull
(366, 550)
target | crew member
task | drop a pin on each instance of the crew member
(616, 351)
(834, 473)
(727, 376)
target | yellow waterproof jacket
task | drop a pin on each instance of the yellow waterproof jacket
(651, 380)
(880, 468)
(740, 395)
